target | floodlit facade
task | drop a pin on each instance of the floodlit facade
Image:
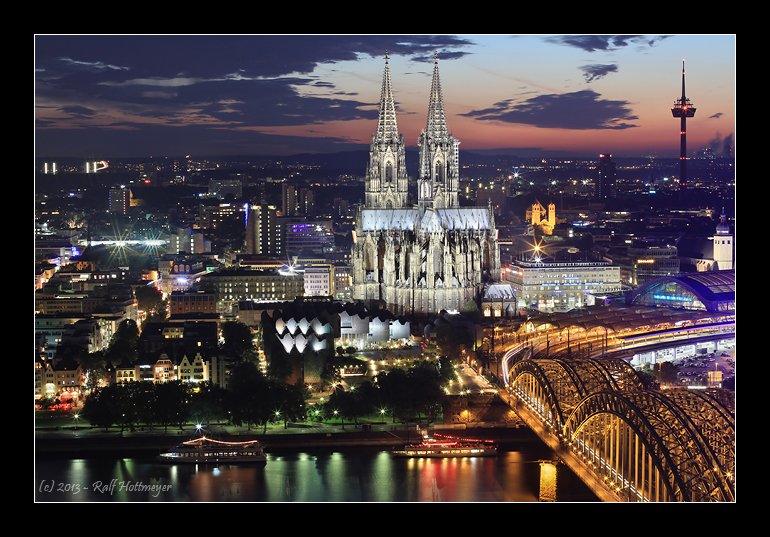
(427, 257)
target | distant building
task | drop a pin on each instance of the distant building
(343, 283)
(539, 218)
(653, 262)
(62, 379)
(645, 260)
(178, 339)
(234, 284)
(341, 208)
(301, 236)
(163, 371)
(192, 302)
(304, 332)
(498, 300)
(319, 281)
(307, 202)
(213, 216)
(288, 200)
(222, 188)
(179, 274)
(708, 291)
(187, 241)
(263, 232)
(606, 179)
(195, 370)
(119, 200)
(561, 282)
(703, 254)
(723, 245)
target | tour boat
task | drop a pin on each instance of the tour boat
(208, 450)
(448, 446)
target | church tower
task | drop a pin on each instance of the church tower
(723, 245)
(438, 179)
(386, 181)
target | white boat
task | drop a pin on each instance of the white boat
(448, 446)
(208, 450)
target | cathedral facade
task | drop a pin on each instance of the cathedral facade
(427, 256)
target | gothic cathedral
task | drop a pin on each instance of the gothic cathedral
(427, 257)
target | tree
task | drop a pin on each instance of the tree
(666, 372)
(330, 373)
(209, 403)
(101, 407)
(648, 379)
(291, 402)
(238, 342)
(279, 367)
(150, 301)
(94, 367)
(124, 343)
(172, 403)
(253, 397)
(446, 369)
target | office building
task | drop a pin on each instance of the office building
(561, 282)
(263, 232)
(319, 280)
(307, 202)
(606, 178)
(234, 284)
(222, 188)
(119, 200)
(288, 200)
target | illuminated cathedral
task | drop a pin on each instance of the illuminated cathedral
(425, 257)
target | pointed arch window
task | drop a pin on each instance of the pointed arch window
(388, 171)
(439, 171)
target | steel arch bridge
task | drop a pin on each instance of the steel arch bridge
(639, 445)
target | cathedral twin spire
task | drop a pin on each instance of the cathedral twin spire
(438, 176)
(387, 127)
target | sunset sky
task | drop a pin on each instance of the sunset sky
(123, 96)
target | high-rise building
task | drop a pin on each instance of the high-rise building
(119, 200)
(606, 179)
(307, 202)
(289, 200)
(263, 233)
(427, 257)
(221, 188)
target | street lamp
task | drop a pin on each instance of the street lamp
(77, 417)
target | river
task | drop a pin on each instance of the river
(342, 475)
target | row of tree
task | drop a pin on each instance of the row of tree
(252, 400)
(405, 394)
(256, 400)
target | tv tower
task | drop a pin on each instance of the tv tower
(683, 109)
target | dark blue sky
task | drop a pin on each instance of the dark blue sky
(110, 96)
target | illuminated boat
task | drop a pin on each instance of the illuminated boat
(203, 450)
(448, 446)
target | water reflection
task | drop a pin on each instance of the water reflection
(361, 475)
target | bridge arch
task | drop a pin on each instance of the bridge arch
(530, 383)
(646, 447)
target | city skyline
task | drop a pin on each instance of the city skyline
(131, 96)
